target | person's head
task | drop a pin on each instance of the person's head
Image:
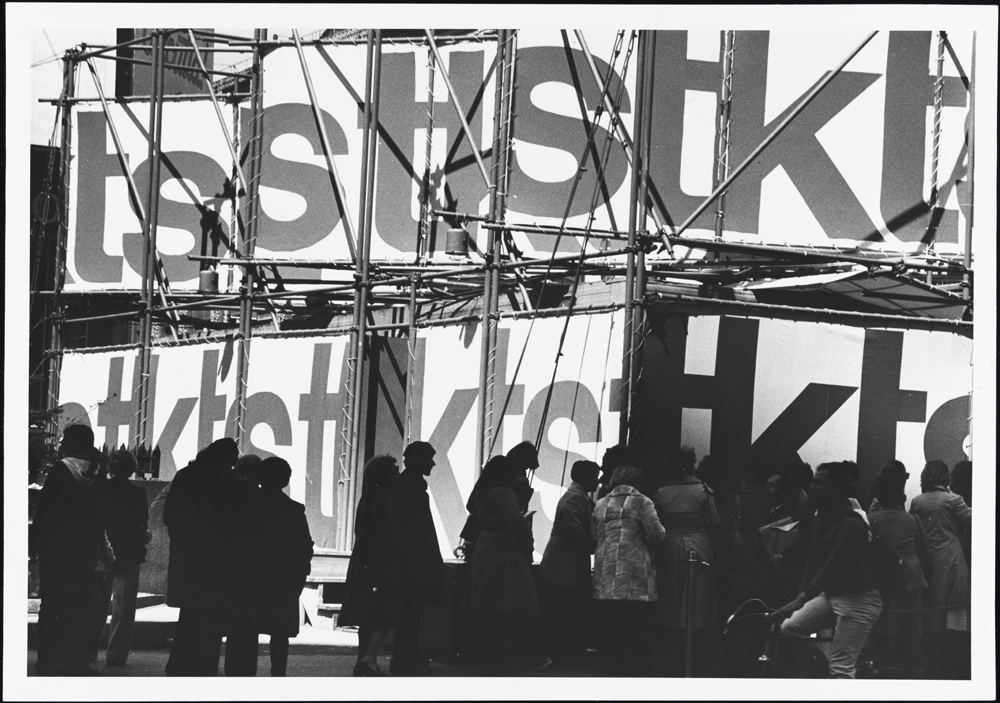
(274, 473)
(523, 458)
(618, 455)
(961, 480)
(709, 472)
(834, 483)
(248, 471)
(754, 473)
(626, 476)
(419, 456)
(895, 468)
(380, 472)
(222, 453)
(803, 474)
(889, 490)
(935, 473)
(781, 487)
(585, 473)
(77, 441)
(497, 472)
(122, 464)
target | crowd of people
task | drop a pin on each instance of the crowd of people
(644, 562)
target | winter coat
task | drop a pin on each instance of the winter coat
(127, 521)
(69, 523)
(421, 567)
(943, 516)
(500, 578)
(902, 533)
(373, 572)
(625, 526)
(566, 561)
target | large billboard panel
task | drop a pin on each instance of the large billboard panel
(854, 168)
(738, 388)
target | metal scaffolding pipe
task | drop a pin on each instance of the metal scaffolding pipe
(630, 266)
(411, 359)
(218, 112)
(426, 206)
(349, 230)
(722, 187)
(483, 430)
(458, 109)
(363, 270)
(967, 254)
(184, 97)
(722, 144)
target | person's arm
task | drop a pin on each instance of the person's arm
(651, 525)
(962, 510)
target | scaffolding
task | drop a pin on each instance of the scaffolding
(426, 292)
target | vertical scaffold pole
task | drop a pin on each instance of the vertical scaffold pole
(364, 258)
(255, 154)
(630, 265)
(149, 243)
(647, 57)
(411, 360)
(722, 144)
(935, 199)
(483, 419)
(347, 454)
(507, 117)
(967, 260)
(55, 308)
(429, 198)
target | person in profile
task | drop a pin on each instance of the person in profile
(618, 455)
(420, 564)
(69, 525)
(280, 549)
(128, 532)
(372, 602)
(566, 569)
(201, 514)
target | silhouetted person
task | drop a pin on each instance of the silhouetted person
(618, 455)
(202, 518)
(944, 516)
(372, 602)
(565, 574)
(243, 631)
(69, 525)
(501, 589)
(892, 468)
(128, 532)
(421, 567)
(520, 460)
(281, 550)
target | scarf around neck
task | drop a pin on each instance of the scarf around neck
(84, 472)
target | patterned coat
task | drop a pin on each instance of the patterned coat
(625, 525)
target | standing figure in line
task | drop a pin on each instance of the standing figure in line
(687, 512)
(128, 532)
(501, 590)
(69, 525)
(202, 518)
(944, 517)
(420, 564)
(566, 569)
(243, 632)
(627, 529)
(372, 601)
(280, 552)
(897, 633)
(838, 586)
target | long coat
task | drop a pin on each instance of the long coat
(280, 550)
(421, 567)
(943, 516)
(127, 521)
(625, 525)
(566, 561)
(688, 514)
(202, 516)
(902, 533)
(373, 572)
(500, 575)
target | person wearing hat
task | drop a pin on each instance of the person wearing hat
(420, 564)
(70, 529)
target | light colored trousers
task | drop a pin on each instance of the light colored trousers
(124, 594)
(852, 616)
